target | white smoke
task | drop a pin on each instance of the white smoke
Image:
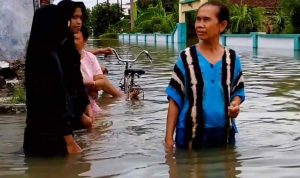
(15, 24)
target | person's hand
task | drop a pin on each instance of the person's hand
(134, 94)
(87, 121)
(107, 51)
(233, 109)
(169, 144)
(72, 146)
(93, 93)
(104, 70)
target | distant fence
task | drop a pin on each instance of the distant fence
(259, 40)
(178, 39)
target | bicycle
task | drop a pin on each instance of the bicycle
(127, 82)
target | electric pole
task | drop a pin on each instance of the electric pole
(131, 16)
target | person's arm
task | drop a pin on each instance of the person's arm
(175, 94)
(238, 93)
(172, 118)
(101, 82)
(88, 117)
(104, 51)
(72, 146)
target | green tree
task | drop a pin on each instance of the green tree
(169, 5)
(291, 10)
(103, 15)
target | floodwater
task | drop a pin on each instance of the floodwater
(128, 141)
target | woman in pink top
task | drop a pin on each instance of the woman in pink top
(92, 74)
(90, 68)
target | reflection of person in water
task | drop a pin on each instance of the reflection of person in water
(59, 167)
(217, 162)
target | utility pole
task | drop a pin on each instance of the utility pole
(97, 2)
(131, 16)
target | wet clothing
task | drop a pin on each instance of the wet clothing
(89, 68)
(200, 91)
(74, 82)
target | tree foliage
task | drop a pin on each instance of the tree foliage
(170, 6)
(288, 16)
(103, 15)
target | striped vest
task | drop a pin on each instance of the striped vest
(195, 120)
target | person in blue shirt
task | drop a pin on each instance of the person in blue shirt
(206, 87)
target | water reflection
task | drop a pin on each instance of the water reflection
(203, 164)
(67, 167)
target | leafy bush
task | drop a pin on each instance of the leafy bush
(19, 95)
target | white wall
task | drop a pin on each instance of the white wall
(277, 43)
(239, 41)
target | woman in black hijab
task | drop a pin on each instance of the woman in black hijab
(51, 59)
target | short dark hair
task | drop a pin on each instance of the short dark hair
(223, 10)
(85, 33)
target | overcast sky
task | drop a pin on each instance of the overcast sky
(91, 3)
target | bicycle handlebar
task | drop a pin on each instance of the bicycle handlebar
(132, 60)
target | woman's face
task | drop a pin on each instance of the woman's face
(79, 41)
(207, 25)
(76, 20)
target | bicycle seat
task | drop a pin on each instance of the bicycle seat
(134, 71)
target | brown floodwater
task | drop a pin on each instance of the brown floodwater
(128, 141)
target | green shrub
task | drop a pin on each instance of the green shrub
(165, 28)
(19, 95)
(156, 27)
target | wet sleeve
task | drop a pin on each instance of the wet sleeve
(176, 87)
(238, 81)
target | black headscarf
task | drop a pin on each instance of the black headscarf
(45, 93)
(49, 29)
